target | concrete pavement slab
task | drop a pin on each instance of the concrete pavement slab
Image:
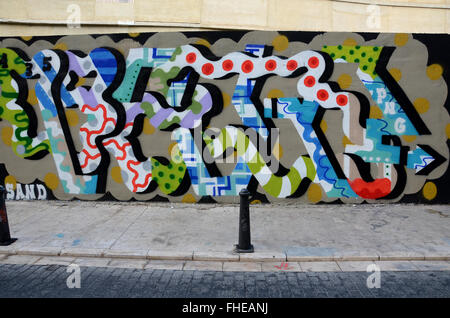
(396, 266)
(263, 257)
(133, 253)
(402, 255)
(10, 249)
(432, 265)
(354, 266)
(162, 264)
(280, 267)
(433, 252)
(20, 243)
(309, 253)
(356, 255)
(91, 261)
(203, 266)
(20, 259)
(82, 252)
(242, 266)
(39, 250)
(319, 267)
(171, 255)
(127, 263)
(55, 260)
(309, 258)
(437, 256)
(216, 256)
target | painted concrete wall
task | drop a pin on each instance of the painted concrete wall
(196, 117)
(46, 17)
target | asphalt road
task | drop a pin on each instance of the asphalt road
(19, 281)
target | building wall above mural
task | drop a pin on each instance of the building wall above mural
(198, 116)
(46, 17)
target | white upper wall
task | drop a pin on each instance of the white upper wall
(47, 17)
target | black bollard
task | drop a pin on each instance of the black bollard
(244, 245)
(5, 237)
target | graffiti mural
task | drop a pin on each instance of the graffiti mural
(197, 117)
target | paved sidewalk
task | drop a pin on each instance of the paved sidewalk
(190, 233)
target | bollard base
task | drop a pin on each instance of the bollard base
(9, 242)
(240, 250)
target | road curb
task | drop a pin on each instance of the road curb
(215, 256)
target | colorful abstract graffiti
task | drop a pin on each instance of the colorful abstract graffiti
(197, 117)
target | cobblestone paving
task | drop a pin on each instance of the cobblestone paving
(50, 281)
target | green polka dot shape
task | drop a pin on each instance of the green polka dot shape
(168, 177)
(366, 56)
